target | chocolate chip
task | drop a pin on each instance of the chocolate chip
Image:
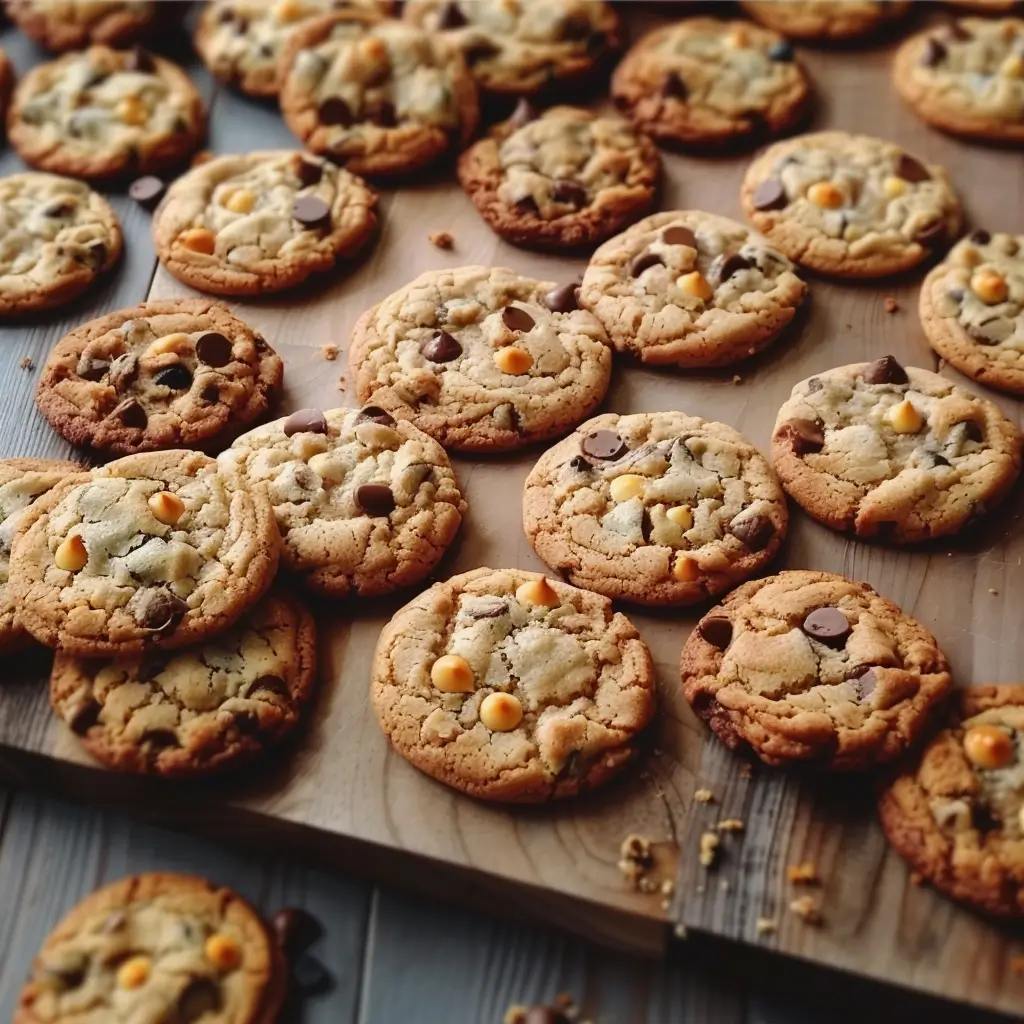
(716, 630)
(770, 195)
(804, 435)
(643, 262)
(200, 997)
(383, 113)
(273, 685)
(527, 204)
(156, 609)
(679, 235)
(604, 444)
(451, 17)
(936, 459)
(92, 369)
(310, 976)
(147, 191)
(933, 53)
(754, 531)
(305, 421)
(566, 191)
(377, 415)
(828, 626)
(375, 499)
(309, 173)
(139, 59)
(885, 371)
(97, 253)
(912, 170)
(980, 237)
(524, 113)
(441, 348)
(930, 233)
(673, 87)
(312, 212)
(176, 377)
(131, 414)
(564, 298)
(725, 265)
(83, 715)
(296, 929)
(334, 110)
(59, 208)
(517, 319)
(579, 464)
(866, 684)
(70, 973)
(973, 431)
(210, 394)
(213, 349)
(782, 51)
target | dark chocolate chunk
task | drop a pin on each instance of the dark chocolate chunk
(579, 464)
(309, 173)
(912, 170)
(131, 414)
(97, 253)
(828, 626)
(213, 348)
(517, 319)
(716, 630)
(176, 377)
(441, 348)
(383, 113)
(375, 499)
(676, 234)
(564, 298)
(643, 262)
(604, 445)
(806, 436)
(451, 17)
(334, 110)
(770, 195)
(312, 212)
(527, 204)
(725, 265)
(210, 394)
(885, 371)
(674, 87)
(782, 51)
(83, 715)
(754, 531)
(274, 685)
(305, 421)
(980, 237)
(377, 414)
(933, 53)
(147, 191)
(566, 191)
(973, 431)
(156, 609)
(296, 929)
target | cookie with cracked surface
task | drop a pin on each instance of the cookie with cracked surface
(957, 814)
(162, 549)
(893, 453)
(850, 205)
(379, 96)
(813, 667)
(172, 373)
(708, 82)
(513, 687)
(365, 504)
(826, 21)
(261, 222)
(481, 358)
(157, 947)
(57, 237)
(59, 25)
(691, 289)
(561, 179)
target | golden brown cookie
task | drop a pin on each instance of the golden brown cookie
(60, 25)
(827, 21)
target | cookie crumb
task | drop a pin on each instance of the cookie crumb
(737, 379)
(27, 363)
(442, 239)
(746, 771)
(1017, 964)
(704, 796)
(680, 930)
(665, 904)
(891, 305)
(668, 887)
(341, 383)
(806, 908)
(803, 874)
(766, 925)
(635, 859)
(992, 590)
(709, 848)
(329, 352)
(730, 825)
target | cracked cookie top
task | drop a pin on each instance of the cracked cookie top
(365, 504)
(691, 289)
(899, 454)
(809, 666)
(658, 508)
(56, 237)
(156, 550)
(481, 358)
(826, 20)
(850, 205)
(74, 24)
(513, 687)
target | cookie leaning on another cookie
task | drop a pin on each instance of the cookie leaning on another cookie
(826, 21)
(62, 25)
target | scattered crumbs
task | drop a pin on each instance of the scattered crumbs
(708, 848)
(204, 156)
(665, 904)
(704, 796)
(766, 925)
(992, 590)
(341, 383)
(442, 239)
(1017, 964)
(724, 885)
(849, 327)
(680, 930)
(746, 770)
(730, 825)
(916, 878)
(636, 859)
(668, 887)
(737, 379)
(803, 874)
(27, 363)
(891, 305)
(648, 885)
(329, 352)
(806, 908)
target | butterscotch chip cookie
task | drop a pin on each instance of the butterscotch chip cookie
(691, 289)
(850, 205)
(74, 24)
(658, 508)
(157, 947)
(896, 453)
(957, 815)
(704, 81)
(101, 113)
(162, 549)
(261, 222)
(509, 686)
(564, 178)
(378, 96)
(57, 237)
(481, 358)
(809, 666)
(826, 20)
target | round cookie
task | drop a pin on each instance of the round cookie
(481, 358)
(100, 113)
(813, 667)
(512, 687)
(561, 179)
(691, 289)
(850, 205)
(57, 237)
(157, 947)
(707, 82)
(957, 814)
(967, 78)
(379, 96)
(365, 504)
(60, 25)
(826, 21)
(6, 82)
(901, 455)
(173, 373)
(162, 550)
(657, 508)
(261, 222)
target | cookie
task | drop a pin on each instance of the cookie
(173, 373)
(893, 453)
(261, 222)
(365, 504)
(161, 550)
(967, 77)
(561, 179)
(850, 205)
(657, 508)
(57, 237)
(691, 289)
(157, 947)
(481, 358)
(528, 47)
(512, 687)
(101, 113)
(377, 96)
(708, 82)
(60, 25)
(972, 309)
(984, 6)
(957, 814)
(6, 82)
(827, 21)
(813, 667)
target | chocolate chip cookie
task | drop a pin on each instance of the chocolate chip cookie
(826, 21)
(706, 82)
(691, 289)
(261, 222)
(101, 113)
(481, 358)
(657, 508)
(957, 815)
(161, 550)
(378, 96)
(157, 947)
(812, 667)
(75, 24)
(365, 504)
(893, 453)
(57, 237)
(561, 179)
(850, 205)
(513, 687)
(174, 373)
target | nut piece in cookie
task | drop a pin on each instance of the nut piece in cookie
(60, 25)
(826, 21)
